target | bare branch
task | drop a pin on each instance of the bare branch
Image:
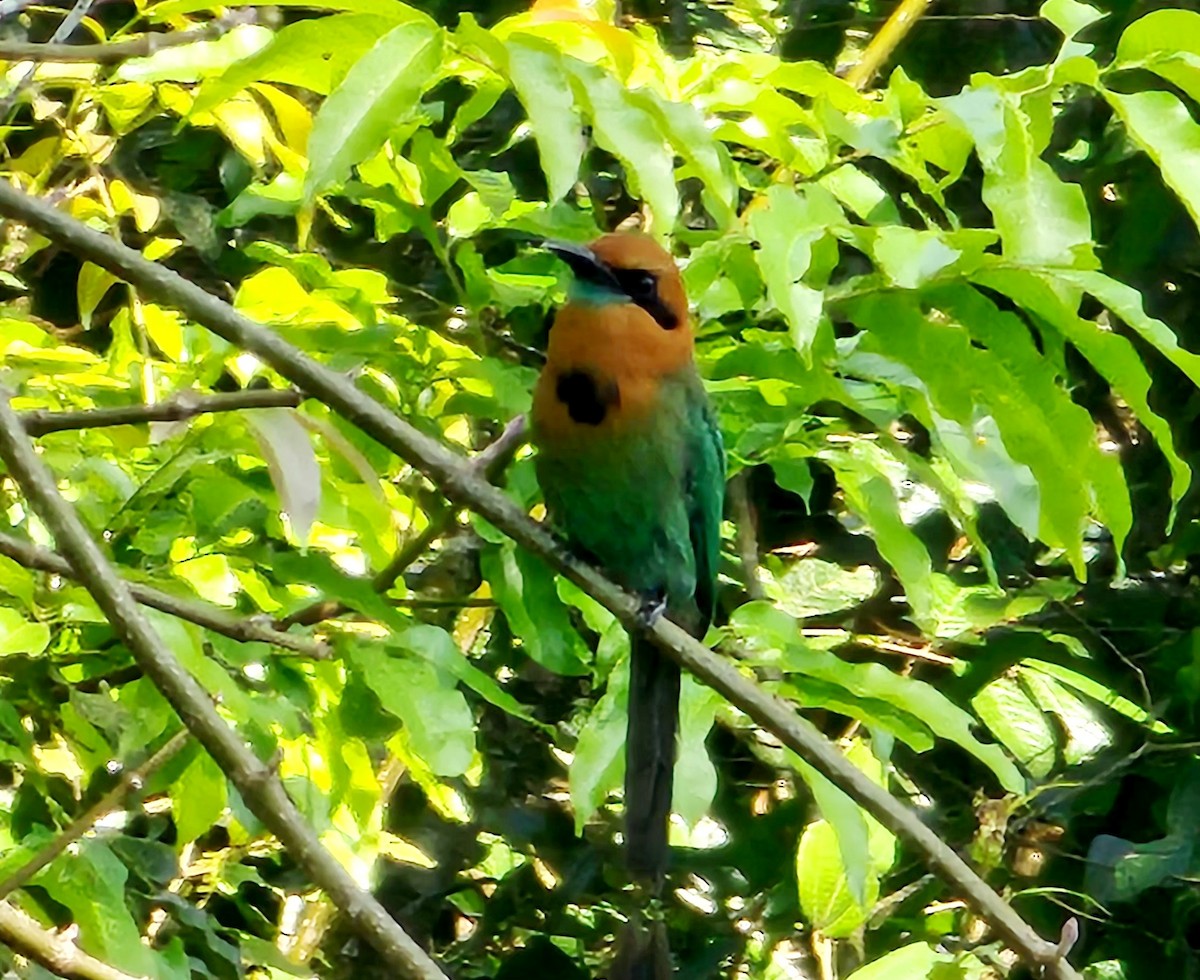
(23, 934)
(258, 784)
(131, 780)
(465, 488)
(242, 629)
(184, 405)
(139, 47)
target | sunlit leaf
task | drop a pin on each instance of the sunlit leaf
(378, 93)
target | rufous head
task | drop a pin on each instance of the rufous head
(627, 267)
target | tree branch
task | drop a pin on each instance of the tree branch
(64, 30)
(131, 780)
(242, 629)
(139, 47)
(258, 784)
(23, 934)
(453, 475)
(183, 405)
(883, 44)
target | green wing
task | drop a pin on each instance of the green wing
(705, 491)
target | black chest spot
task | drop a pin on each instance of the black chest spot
(588, 398)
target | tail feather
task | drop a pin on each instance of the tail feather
(650, 759)
(642, 954)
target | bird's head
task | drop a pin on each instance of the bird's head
(627, 267)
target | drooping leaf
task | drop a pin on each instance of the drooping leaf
(287, 448)
(543, 84)
(378, 93)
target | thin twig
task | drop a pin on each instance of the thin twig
(259, 784)
(23, 934)
(746, 534)
(883, 44)
(139, 47)
(240, 628)
(183, 405)
(131, 780)
(488, 462)
(453, 475)
(64, 30)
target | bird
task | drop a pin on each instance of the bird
(631, 465)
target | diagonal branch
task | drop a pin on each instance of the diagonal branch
(130, 781)
(184, 405)
(25, 935)
(883, 45)
(258, 784)
(242, 629)
(453, 475)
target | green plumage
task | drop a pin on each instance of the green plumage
(644, 500)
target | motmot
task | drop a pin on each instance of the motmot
(632, 468)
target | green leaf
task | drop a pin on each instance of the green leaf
(94, 282)
(632, 134)
(524, 589)
(863, 478)
(198, 797)
(910, 258)
(1019, 724)
(19, 635)
(544, 87)
(287, 447)
(867, 850)
(439, 724)
(379, 92)
(787, 225)
(1166, 42)
(826, 898)
(192, 62)
(1041, 219)
(1100, 692)
(1070, 16)
(598, 763)
(1087, 734)
(90, 881)
(431, 643)
(917, 961)
(1162, 126)
(1040, 428)
(434, 644)
(684, 126)
(695, 779)
(313, 54)
(765, 628)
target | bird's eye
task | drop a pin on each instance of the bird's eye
(640, 285)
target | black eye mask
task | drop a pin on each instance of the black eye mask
(642, 288)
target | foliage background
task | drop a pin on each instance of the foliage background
(939, 320)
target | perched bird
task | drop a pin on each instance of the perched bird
(632, 469)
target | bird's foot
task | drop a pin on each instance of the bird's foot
(652, 609)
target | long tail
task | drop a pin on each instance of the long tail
(643, 952)
(650, 759)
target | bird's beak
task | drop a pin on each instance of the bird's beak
(584, 263)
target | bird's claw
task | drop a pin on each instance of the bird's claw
(652, 609)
